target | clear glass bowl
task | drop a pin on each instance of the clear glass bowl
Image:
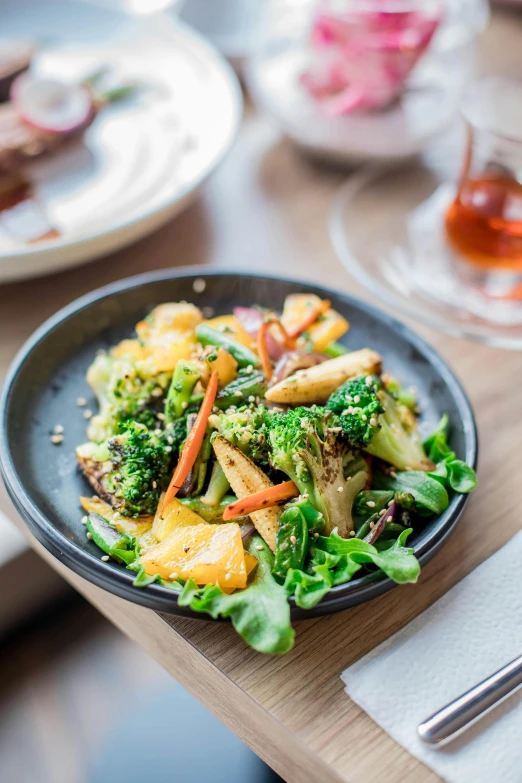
(428, 100)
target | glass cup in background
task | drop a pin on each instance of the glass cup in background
(484, 222)
(440, 238)
(359, 80)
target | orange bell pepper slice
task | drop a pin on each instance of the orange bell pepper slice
(309, 319)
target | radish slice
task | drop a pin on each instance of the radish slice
(51, 105)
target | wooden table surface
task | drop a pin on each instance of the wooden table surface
(266, 210)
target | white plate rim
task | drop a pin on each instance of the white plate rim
(63, 253)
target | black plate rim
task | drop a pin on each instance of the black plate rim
(119, 581)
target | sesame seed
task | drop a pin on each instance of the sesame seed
(382, 511)
(184, 404)
(352, 533)
(199, 285)
(356, 398)
(393, 474)
(160, 416)
(116, 515)
(369, 380)
(407, 467)
(251, 398)
(157, 392)
(56, 439)
(168, 449)
(371, 503)
(259, 547)
(349, 478)
(293, 539)
(364, 417)
(238, 393)
(173, 576)
(390, 503)
(316, 535)
(58, 428)
(249, 369)
(306, 496)
(349, 398)
(228, 577)
(373, 422)
(89, 535)
(87, 414)
(81, 402)
(340, 489)
(334, 429)
(372, 525)
(105, 558)
(154, 485)
(215, 410)
(84, 520)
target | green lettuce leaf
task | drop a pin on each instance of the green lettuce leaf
(260, 613)
(431, 496)
(336, 560)
(451, 472)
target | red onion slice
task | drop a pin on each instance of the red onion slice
(246, 530)
(379, 526)
(251, 319)
(290, 362)
(51, 105)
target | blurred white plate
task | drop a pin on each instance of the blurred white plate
(141, 161)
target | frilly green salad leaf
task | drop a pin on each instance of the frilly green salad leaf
(260, 613)
(336, 560)
(451, 472)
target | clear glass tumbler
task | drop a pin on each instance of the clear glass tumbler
(484, 222)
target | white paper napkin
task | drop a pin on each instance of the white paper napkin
(464, 637)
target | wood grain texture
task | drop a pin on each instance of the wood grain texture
(266, 210)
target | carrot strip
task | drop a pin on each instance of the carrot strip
(262, 348)
(260, 500)
(193, 443)
(309, 319)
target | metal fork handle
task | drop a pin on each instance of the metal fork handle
(457, 716)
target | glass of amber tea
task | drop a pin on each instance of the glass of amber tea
(483, 224)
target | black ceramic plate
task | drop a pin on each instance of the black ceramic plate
(48, 375)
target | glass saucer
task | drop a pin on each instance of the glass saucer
(386, 226)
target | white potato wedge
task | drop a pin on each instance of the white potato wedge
(246, 478)
(315, 384)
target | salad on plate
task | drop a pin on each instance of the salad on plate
(243, 459)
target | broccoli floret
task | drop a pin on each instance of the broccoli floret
(130, 470)
(246, 428)
(125, 393)
(372, 420)
(305, 444)
(406, 501)
(176, 434)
